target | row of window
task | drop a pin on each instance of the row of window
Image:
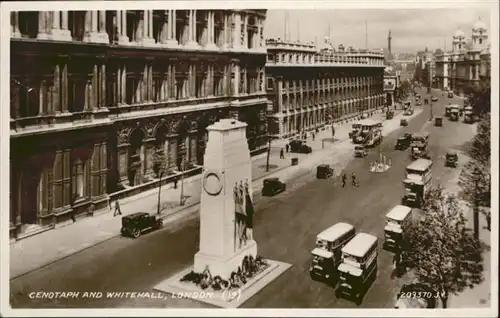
(28, 24)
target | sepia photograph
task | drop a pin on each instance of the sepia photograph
(168, 158)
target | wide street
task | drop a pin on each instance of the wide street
(285, 230)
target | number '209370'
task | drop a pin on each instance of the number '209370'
(415, 295)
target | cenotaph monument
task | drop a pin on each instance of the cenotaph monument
(227, 269)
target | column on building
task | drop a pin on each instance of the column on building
(192, 40)
(244, 33)
(226, 35)
(169, 29)
(14, 25)
(236, 36)
(43, 25)
(147, 38)
(210, 44)
(121, 24)
(95, 27)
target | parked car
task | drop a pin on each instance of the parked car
(360, 151)
(272, 186)
(438, 121)
(408, 112)
(137, 223)
(324, 171)
(434, 98)
(299, 146)
(451, 159)
(450, 94)
(403, 122)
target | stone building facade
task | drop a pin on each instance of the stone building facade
(105, 104)
(467, 63)
(309, 88)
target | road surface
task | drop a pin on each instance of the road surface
(285, 229)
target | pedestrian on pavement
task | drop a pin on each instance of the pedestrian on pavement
(175, 182)
(72, 215)
(282, 154)
(117, 208)
(314, 136)
(396, 261)
(287, 147)
(344, 180)
(91, 210)
(333, 131)
(354, 181)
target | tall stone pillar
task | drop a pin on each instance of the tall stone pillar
(102, 84)
(56, 105)
(147, 30)
(236, 31)
(210, 45)
(57, 181)
(91, 32)
(192, 42)
(118, 93)
(14, 24)
(95, 89)
(42, 26)
(225, 32)
(124, 84)
(122, 23)
(235, 78)
(245, 32)
(102, 27)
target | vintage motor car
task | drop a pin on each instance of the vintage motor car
(299, 146)
(137, 223)
(450, 94)
(403, 142)
(419, 103)
(324, 171)
(451, 159)
(409, 112)
(454, 114)
(426, 101)
(438, 121)
(360, 151)
(272, 186)
(434, 98)
(403, 122)
(389, 114)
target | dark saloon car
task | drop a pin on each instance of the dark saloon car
(136, 223)
(272, 186)
(403, 142)
(299, 146)
(434, 99)
(451, 159)
(324, 171)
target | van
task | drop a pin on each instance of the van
(359, 267)
(398, 223)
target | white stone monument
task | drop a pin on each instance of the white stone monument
(226, 224)
(227, 168)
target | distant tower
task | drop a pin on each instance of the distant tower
(389, 39)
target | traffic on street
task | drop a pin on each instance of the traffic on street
(286, 226)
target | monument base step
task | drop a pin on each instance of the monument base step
(232, 298)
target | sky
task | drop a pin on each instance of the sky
(412, 29)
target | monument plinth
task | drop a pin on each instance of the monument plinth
(227, 268)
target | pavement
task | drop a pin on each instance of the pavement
(26, 254)
(285, 228)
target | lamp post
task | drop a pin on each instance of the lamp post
(159, 194)
(268, 152)
(183, 164)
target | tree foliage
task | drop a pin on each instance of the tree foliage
(441, 248)
(479, 97)
(480, 149)
(475, 182)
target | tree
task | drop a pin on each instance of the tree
(475, 182)
(441, 249)
(475, 177)
(479, 97)
(480, 148)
